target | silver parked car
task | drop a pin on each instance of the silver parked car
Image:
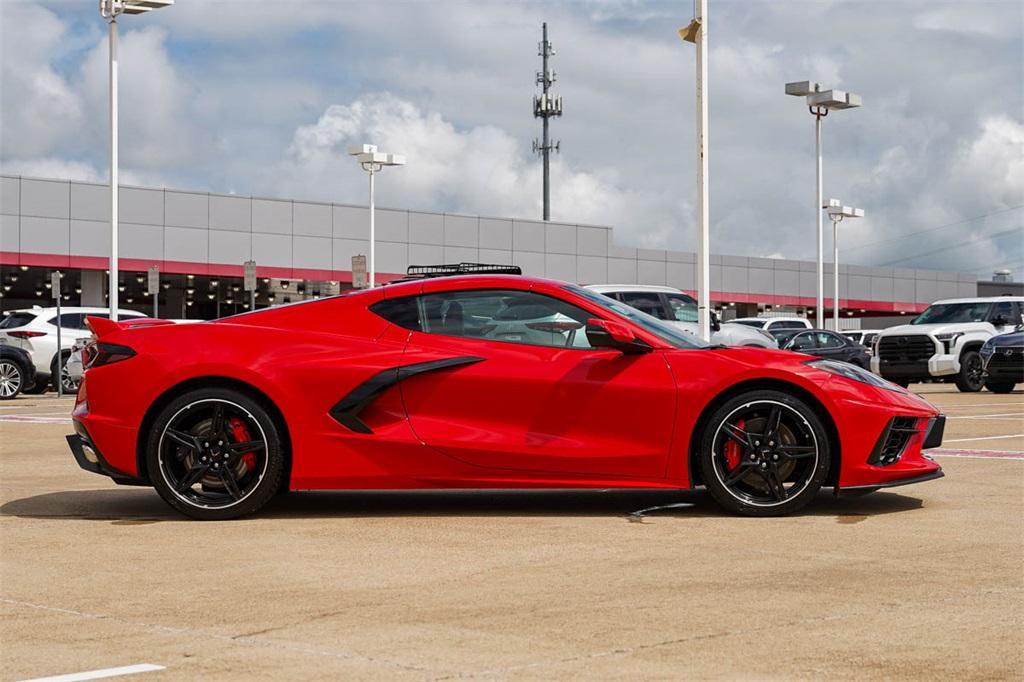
(680, 309)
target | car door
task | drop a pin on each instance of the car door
(527, 392)
(832, 346)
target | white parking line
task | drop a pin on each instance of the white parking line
(100, 674)
(977, 454)
(33, 419)
(966, 440)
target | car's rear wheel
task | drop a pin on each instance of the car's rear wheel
(971, 378)
(215, 454)
(764, 453)
(12, 378)
(68, 385)
(1000, 386)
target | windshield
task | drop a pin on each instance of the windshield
(663, 330)
(946, 313)
(758, 324)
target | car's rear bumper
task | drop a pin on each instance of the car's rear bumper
(89, 458)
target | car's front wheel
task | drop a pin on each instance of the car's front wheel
(215, 454)
(971, 378)
(764, 453)
(12, 379)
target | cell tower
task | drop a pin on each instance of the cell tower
(545, 106)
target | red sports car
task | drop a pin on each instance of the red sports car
(481, 382)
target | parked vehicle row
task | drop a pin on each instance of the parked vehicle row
(34, 330)
(945, 341)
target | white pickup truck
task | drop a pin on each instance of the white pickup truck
(942, 343)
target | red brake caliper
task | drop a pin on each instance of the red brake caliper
(241, 435)
(733, 455)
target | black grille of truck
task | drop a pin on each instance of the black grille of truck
(905, 349)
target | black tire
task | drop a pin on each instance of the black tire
(796, 452)
(12, 378)
(70, 385)
(41, 386)
(190, 456)
(1000, 386)
(971, 378)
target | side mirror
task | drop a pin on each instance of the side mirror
(614, 336)
(716, 324)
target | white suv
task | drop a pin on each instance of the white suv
(672, 305)
(944, 341)
(774, 324)
(35, 330)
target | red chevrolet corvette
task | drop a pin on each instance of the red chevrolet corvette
(481, 382)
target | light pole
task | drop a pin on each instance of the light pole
(373, 162)
(110, 10)
(697, 33)
(836, 213)
(819, 103)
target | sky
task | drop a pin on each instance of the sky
(261, 97)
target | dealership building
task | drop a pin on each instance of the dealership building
(200, 241)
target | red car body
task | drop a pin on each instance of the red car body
(516, 416)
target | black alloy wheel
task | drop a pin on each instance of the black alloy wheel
(11, 379)
(764, 453)
(215, 454)
(971, 378)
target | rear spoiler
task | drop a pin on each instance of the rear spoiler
(101, 326)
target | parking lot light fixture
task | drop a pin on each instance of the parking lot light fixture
(837, 213)
(819, 103)
(373, 161)
(110, 10)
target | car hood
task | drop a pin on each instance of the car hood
(938, 328)
(1011, 339)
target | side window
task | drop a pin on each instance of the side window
(683, 308)
(826, 340)
(504, 315)
(69, 321)
(1005, 310)
(644, 302)
(803, 342)
(401, 311)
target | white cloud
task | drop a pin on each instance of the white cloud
(38, 107)
(479, 170)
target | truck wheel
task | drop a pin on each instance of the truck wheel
(972, 377)
(1000, 387)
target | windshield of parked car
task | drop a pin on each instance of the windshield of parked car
(663, 330)
(759, 324)
(948, 313)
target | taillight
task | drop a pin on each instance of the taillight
(25, 335)
(98, 354)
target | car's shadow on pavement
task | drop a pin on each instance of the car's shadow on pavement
(138, 505)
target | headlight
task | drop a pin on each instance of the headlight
(854, 373)
(948, 340)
